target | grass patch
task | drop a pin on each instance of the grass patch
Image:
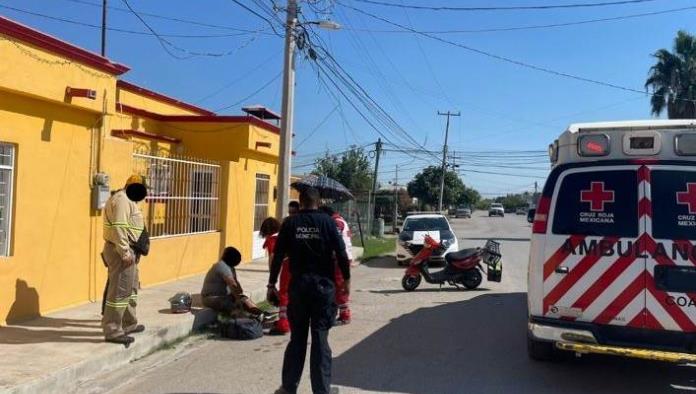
(375, 247)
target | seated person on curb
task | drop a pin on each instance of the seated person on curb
(221, 277)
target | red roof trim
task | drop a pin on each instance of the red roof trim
(144, 134)
(26, 34)
(127, 109)
(162, 98)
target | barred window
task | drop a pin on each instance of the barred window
(183, 194)
(261, 201)
(7, 162)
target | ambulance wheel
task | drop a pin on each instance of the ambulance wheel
(410, 283)
(473, 280)
(539, 350)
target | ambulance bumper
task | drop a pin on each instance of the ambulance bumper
(583, 338)
(645, 354)
(549, 333)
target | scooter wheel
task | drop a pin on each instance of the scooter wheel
(473, 280)
(410, 283)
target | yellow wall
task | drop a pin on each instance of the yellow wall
(34, 72)
(56, 237)
(152, 105)
(52, 222)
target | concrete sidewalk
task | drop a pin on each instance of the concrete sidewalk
(53, 353)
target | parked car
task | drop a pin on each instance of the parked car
(521, 211)
(412, 236)
(496, 209)
(530, 215)
(463, 213)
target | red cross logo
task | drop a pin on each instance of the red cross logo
(597, 196)
(688, 197)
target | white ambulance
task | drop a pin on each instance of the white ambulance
(612, 265)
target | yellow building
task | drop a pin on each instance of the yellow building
(71, 131)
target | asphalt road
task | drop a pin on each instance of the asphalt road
(428, 341)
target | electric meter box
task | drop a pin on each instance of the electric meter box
(100, 191)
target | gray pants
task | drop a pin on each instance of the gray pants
(121, 295)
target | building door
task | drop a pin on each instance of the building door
(260, 213)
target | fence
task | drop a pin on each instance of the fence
(356, 214)
(183, 195)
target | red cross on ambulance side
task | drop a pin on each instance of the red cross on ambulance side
(597, 196)
(688, 197)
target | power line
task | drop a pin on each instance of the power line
(169, 18)
(321, 123)
(242, 77)
(121, 30)
(166, 44)
(503, 8)
(528, 27)
(257, 91)
(510, 60)
(250, 10)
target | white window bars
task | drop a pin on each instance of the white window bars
(183, 195)
(263, 183)
(7, 165)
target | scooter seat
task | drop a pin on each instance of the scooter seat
(461, 255)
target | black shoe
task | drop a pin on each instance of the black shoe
(137, 329)
(124, 340)
(282, 390)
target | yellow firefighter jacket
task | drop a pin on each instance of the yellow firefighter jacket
(123, 222)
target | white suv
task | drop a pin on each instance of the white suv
(415, 228)
(496, 209)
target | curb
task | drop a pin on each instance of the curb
(67, 379)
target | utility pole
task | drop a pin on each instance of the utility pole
(448, 114)
(371, 203)
(103, 29)
(396, 197)
(286, 120)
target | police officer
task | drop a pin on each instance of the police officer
(309, 239)
(123, 226)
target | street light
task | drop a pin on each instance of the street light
(287, 109)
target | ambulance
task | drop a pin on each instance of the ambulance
(612, 267)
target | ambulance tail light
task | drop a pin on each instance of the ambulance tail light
(593, 145)
(542, 215)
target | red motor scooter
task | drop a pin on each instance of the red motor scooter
(462, 268)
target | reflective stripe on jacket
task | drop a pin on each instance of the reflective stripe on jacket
(123, 222)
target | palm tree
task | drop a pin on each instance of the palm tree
(673, 79)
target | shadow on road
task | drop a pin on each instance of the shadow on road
(445, 288)
(497, 239)
(382, 262)
(478, 346)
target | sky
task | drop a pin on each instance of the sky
(510, 112)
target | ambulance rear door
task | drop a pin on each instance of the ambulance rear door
(593, 255)
(671, 267)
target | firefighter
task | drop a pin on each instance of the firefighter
(123, 226)
(269, 231)
(342, 298)
(309, 240)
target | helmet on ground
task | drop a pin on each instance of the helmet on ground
(181, 303)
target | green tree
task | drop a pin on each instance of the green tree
(469, 197)
(384, 202)
(426, 187)
(352, 169)
(673, 79)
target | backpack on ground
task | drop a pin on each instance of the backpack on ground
(241, 329)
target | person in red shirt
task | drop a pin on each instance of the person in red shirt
(269, 231)
(342, 298)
